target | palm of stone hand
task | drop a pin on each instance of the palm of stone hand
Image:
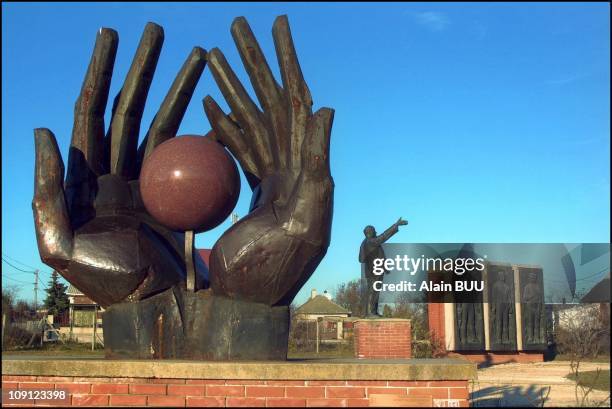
(98, 235)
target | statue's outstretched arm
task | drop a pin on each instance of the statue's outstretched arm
(387, 234)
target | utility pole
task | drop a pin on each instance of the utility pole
(317, 321)
(35, 291)
(93, 331)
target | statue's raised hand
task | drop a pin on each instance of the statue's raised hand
(94, 229)
(283, 150)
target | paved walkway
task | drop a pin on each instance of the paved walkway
(532, 385)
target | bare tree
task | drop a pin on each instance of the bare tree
(350, 295)
(14, 311)
(581, 330)
(424, 345)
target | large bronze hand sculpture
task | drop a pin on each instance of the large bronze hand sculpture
(100, 237)
(284, 151)
(94, 229)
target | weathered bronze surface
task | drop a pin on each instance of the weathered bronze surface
(469, 316)
(533, 315)
(502, 313)
(370, 250)
(96, 232)
(201, 326)
(469, 331)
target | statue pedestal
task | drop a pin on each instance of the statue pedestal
(383, 338)
(180, 324)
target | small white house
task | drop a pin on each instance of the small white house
(321, 308)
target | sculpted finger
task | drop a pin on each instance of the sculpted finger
(267, 89)
(308, 212)
(125, 124)
(293, 79)
(86, 157)
(315, 156)
(53, 229)
(245, 110)
(228, 133)
(255, 63)
(297, 92)
(168, 119)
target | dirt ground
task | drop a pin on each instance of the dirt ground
(533, 385)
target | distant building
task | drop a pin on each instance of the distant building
(595, 303)
(78, 299)
(82, 309)
(321, 309)
(320, 306)
(599, 293)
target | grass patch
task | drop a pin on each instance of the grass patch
(325, 351)
(58, 348)
(321, 354)
(599, 380)
(600, 359)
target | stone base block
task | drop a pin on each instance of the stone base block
(179, 324)
(383, 338)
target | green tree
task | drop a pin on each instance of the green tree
(57, 300)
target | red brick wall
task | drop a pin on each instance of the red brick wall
(435, 315)
(220, 393)
(383, 339)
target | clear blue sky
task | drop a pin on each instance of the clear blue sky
(477, 123)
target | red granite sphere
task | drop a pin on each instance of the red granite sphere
(190, 183)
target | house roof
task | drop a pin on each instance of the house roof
(78, 298)
(600, 293)
(320, 304)
(72, 290)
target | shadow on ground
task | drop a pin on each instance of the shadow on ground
(509, 396)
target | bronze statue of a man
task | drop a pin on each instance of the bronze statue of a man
(370, 250)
